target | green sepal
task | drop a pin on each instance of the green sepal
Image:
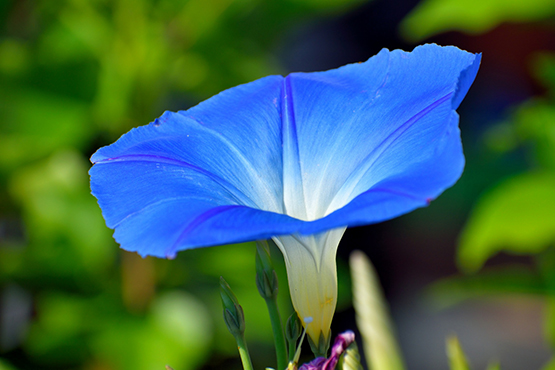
(293, 328)
(320, 349)
(293, 331)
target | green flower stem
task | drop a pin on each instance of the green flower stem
(279, 338)
(267, 284)
(293, 330)
(292, 349)
(234, 318)
(244, 352)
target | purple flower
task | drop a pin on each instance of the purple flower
(341, 343)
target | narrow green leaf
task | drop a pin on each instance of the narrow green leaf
(380, 347)
(457, 358)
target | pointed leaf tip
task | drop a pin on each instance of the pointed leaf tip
(455, 353)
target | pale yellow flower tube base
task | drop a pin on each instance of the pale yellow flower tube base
(312, 276)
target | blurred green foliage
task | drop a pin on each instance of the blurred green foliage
(517, 216)
(5, 366)
(457, 357)
(74, 75)
(455, 353)
(372, 317)
(473, 16)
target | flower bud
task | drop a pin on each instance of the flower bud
(266, 277)
(233, 312)
(293, 328)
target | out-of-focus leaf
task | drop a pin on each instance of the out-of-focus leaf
(59, 45)
(501, 137)
(380, 347)
(474, 16)
(455, 353)
(535, 123)
(75, 74)
(326, 5)
(35, 124)
(57, 207)
(177, 331)
(14, 56)
(5, 366)
(495, 365)
(550, 365)
(492, 281)
(57, 334)
(549, 325)
(543, 67)
(517, 216)
(546, 266)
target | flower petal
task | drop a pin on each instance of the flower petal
(304, 154)
(229, 137)
(158, 179)
(379, 126)
(312, 277)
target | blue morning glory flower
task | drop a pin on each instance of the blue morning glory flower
(296, 159)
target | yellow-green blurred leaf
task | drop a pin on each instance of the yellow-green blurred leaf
(549, 325)
(14, 56)
(327, 4)
(5, 366)
(550, 365)
(35, 124)
(535, 123)
(177, 331)
(494, 366)
(474, 16)
(499, 280)
(543, 67)
(517, 216)
(61, 318)
(54, 195)
(380, 347)
(455, 353)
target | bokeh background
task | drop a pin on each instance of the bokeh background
(76, 74)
